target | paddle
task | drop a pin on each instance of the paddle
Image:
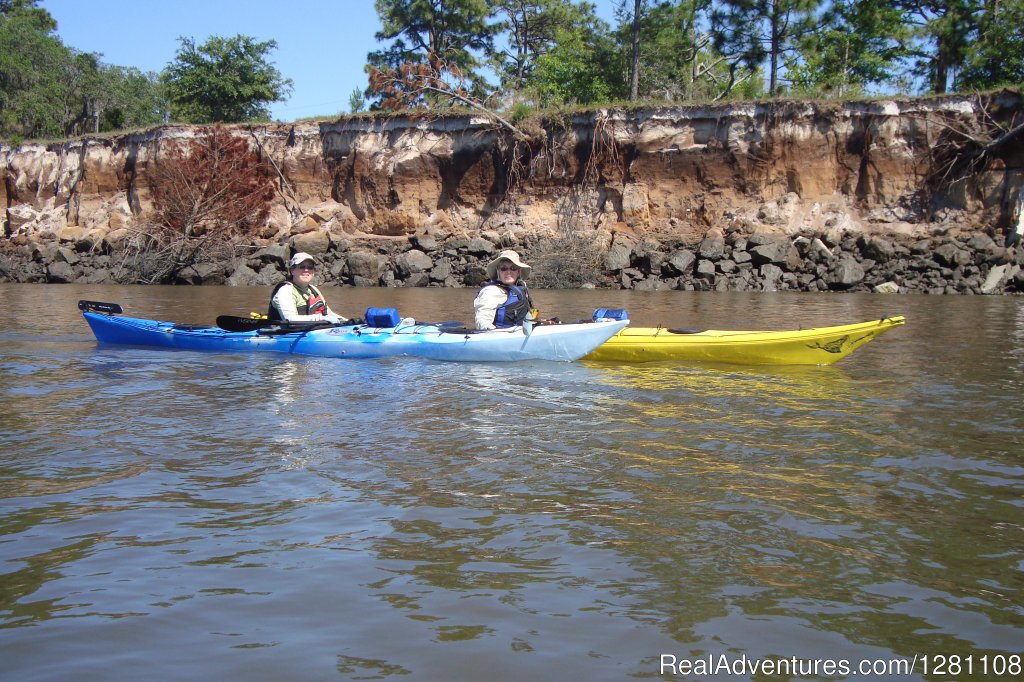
(234, 323)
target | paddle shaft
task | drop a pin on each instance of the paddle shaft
(234, 323)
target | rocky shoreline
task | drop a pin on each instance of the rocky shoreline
(734, 259)
(914, 196)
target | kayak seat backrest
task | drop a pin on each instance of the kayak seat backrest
(382, 317)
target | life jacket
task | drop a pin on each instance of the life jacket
(516, 307)
(310, 303)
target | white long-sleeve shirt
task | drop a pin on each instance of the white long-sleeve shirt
(486, 304)
(286, 302)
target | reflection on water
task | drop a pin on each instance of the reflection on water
(312, 519)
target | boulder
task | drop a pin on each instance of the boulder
(846, 273)
(712, 247)
(679, 263)
(413, 262)
(618, 257)
(60, 272)
(316, 243)
(364, 266)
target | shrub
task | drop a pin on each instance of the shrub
(206, 193)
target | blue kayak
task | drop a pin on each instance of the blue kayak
(563, 342)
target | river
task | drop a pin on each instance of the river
(174, 515)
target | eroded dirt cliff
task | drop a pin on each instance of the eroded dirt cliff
(904, 169)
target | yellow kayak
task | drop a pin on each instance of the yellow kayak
(816, 346)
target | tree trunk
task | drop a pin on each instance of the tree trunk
(634, 68)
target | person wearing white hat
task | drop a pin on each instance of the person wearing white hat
(296, 299)
(504, 301)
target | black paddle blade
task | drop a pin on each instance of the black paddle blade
(100, 307)
(232, 323)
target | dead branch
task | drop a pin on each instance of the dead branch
(284, 189)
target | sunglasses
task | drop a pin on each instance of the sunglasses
(509, 268)
(305, 267)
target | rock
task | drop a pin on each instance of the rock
(771, 276)
(242, 276)
(951, 255)
(995, 279)
(268, 276)
(846, 273)
(69, 256)
(277, 254)
(479, 246)
(649, 284)
(20, 218)
(476, 275)
(649, 258)
(818, 252)
(60, 272)
(306, 224)
(877, 249)
(412, 262)
(365, 267)
(417, 279)
(101, 276)
(424, 242)
(712, 247)
(705, 269)
(618, 257)
(316, 243)
(441, 271)
(635, 205)
(209, 273)
(886, 288)
(679, 263)
(779, 252)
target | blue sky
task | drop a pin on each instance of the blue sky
(321, 44)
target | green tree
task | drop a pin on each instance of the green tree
(532, 27)
(32, 61)
(859, 43)
(755, 31)
(224, 80)
(455, 33)
(129, 98)
(676, 60)
(634, 42)
(996, 55)
(940, 38)
(356, 100)
(585, 66)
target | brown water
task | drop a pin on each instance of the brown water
(172, 515)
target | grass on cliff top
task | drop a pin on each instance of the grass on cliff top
(525, 112)
(522, 113)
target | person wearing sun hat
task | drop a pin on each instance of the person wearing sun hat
(296, 299)
(504, 301)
